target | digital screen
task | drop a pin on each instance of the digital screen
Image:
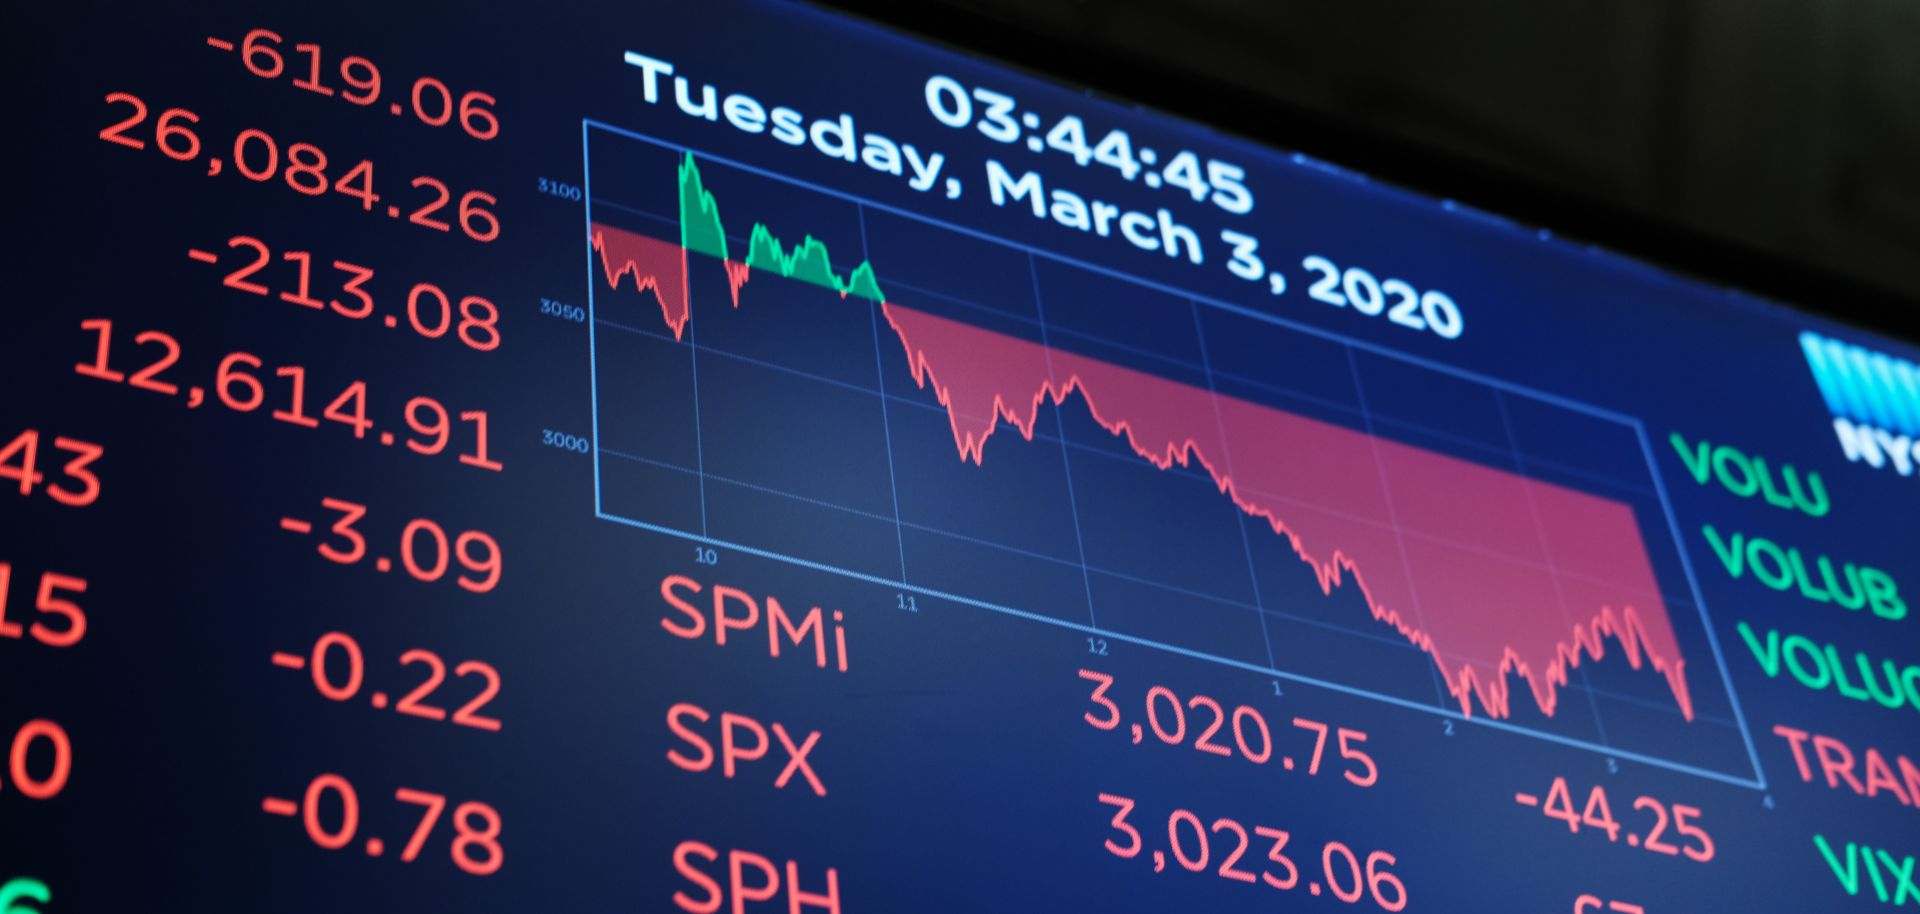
(732, 457)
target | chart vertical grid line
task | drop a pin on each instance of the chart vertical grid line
(1060, 428)
(1226, 454)
(880, 379)
(1540, 535)
(1393, 514)
(699, 446)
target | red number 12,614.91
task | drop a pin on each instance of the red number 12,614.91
(330, 809)
(238, 384)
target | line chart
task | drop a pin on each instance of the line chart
(1218, 487)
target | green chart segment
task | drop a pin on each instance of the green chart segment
(701, 232)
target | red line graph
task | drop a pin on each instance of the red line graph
(1489, 572)
(654, 264)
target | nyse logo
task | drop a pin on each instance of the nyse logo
(1875, 401)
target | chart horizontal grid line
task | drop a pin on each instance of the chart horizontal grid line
(1038, 556)
(1176, 471)
(1073, 563)
(1210, 301)
(1480, 720)
(1201, 368)
(1588, 476)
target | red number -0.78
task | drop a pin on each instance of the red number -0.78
(330, 810)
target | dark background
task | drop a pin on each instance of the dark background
(1769, 145)
(962, 768)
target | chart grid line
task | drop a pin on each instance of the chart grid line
(1546, 549)
(1345, 630)
(1264, 387)
(1226, 453)
(1393, 516)
(886, 422)
(1480, 720)
(1047, 438)
(1208, 300)
(1066, 458)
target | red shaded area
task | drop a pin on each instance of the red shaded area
(660, 267)
(1489, 572)
(654, 264)
(1497, 590)
(737, 275)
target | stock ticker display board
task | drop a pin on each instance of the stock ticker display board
(731, 457)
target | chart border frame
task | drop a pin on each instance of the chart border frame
(1759, 780)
